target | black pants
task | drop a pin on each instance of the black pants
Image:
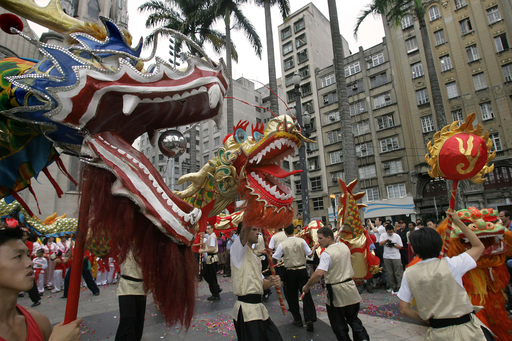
(131, 322)
(210, 276)
(87, 275)
(34, 294)
(295, 280)
(257, 330)
(227, 265)
(340, 318)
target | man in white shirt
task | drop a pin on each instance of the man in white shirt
(294, 251)
(342, 299)
(251, 319)
(211, 248)
(392, 244)
(436, 285)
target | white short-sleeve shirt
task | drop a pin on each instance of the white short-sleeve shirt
(391, 252)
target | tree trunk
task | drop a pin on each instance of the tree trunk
(230, 110)
(274, 105)
(437, 96)
(349, 149)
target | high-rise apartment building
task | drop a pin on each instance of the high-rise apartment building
(470, 42)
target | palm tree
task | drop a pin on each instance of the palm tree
(349, 148)
(284, 8)
(395, 11)
(190, 18)
(226, 9)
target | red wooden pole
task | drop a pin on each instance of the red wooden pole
(450, 222)
(273, 271)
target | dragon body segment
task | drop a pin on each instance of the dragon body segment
(353, 234)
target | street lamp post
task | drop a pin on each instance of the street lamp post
(302, 153)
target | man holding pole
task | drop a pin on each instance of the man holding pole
(251, 319)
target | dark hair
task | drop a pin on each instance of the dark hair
(380, 219)
(58, 253)
(426, 243)
(8, 233)
(506, 213)
(389, 227)
(289, 229)
(326, 232)
(419, 221)
(239, 228)
(39, 250)
(433, 221)
(412, 222)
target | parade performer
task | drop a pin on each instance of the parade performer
(251, 319)
(342, 299)
(17, 274)
(436, 285)
(211, 249)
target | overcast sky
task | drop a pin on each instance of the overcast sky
(249, 65)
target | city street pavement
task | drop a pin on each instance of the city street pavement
(212, 320)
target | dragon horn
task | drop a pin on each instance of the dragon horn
(52, 16)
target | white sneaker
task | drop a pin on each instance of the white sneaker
(394, 292)
(389, 290)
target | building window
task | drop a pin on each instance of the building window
(507, 72)
(422, 96)
(330, 98)
(74, 171)
(446, 63)
(411, 45)
(328, 80)
(361, 128)
(318, 204)
(286, 33)
(493, 15)
(336, 175)
(357, 108)
(407, 21)
(312, 146)
(487, 112)
(458, 116)
(288, 63)
(396, 191)
(460, 3)
(316, 183)
(290, 95)
(336, 157)
(465, 26)
(305, 89)
(300, 41)
(500, 177)
(302, 56)
(479, 81)
(388, 144)
(288, 79)
(313, 164)
(501, 42)
(355, 88)
(364, 149)
(334, 136)
(427, 124)
(333, 116)
(287, 48)
(417, 70)
(433, 13)
(216, 141)
(472, 52)
(392, 167)
(381, 100)
(299, 25)
(496, 142)
(205, 145)
(299, 205)
(372, 194)
(440, 39)
(367, 172)
(451, 89)
(352, 69)
(308, 106)
(205, 132)
(377, 59)
(385, 122)
(298, 187)
(304, 72)
(378, 80)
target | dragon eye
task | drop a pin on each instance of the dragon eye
(240, 135)
(257, 136)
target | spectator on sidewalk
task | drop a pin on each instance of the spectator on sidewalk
(391, 242)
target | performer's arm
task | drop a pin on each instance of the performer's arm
(405, 309)
(315, 278)
(477, 247)
(272, 281)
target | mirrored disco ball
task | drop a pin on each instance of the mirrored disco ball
(172, 143)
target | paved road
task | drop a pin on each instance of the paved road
(212, 320)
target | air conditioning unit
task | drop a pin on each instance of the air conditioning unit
(312, 167)
(385, 166)
(363, 147)
(334, 179)
(387, 97)
(369, 59)
(332, 118)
